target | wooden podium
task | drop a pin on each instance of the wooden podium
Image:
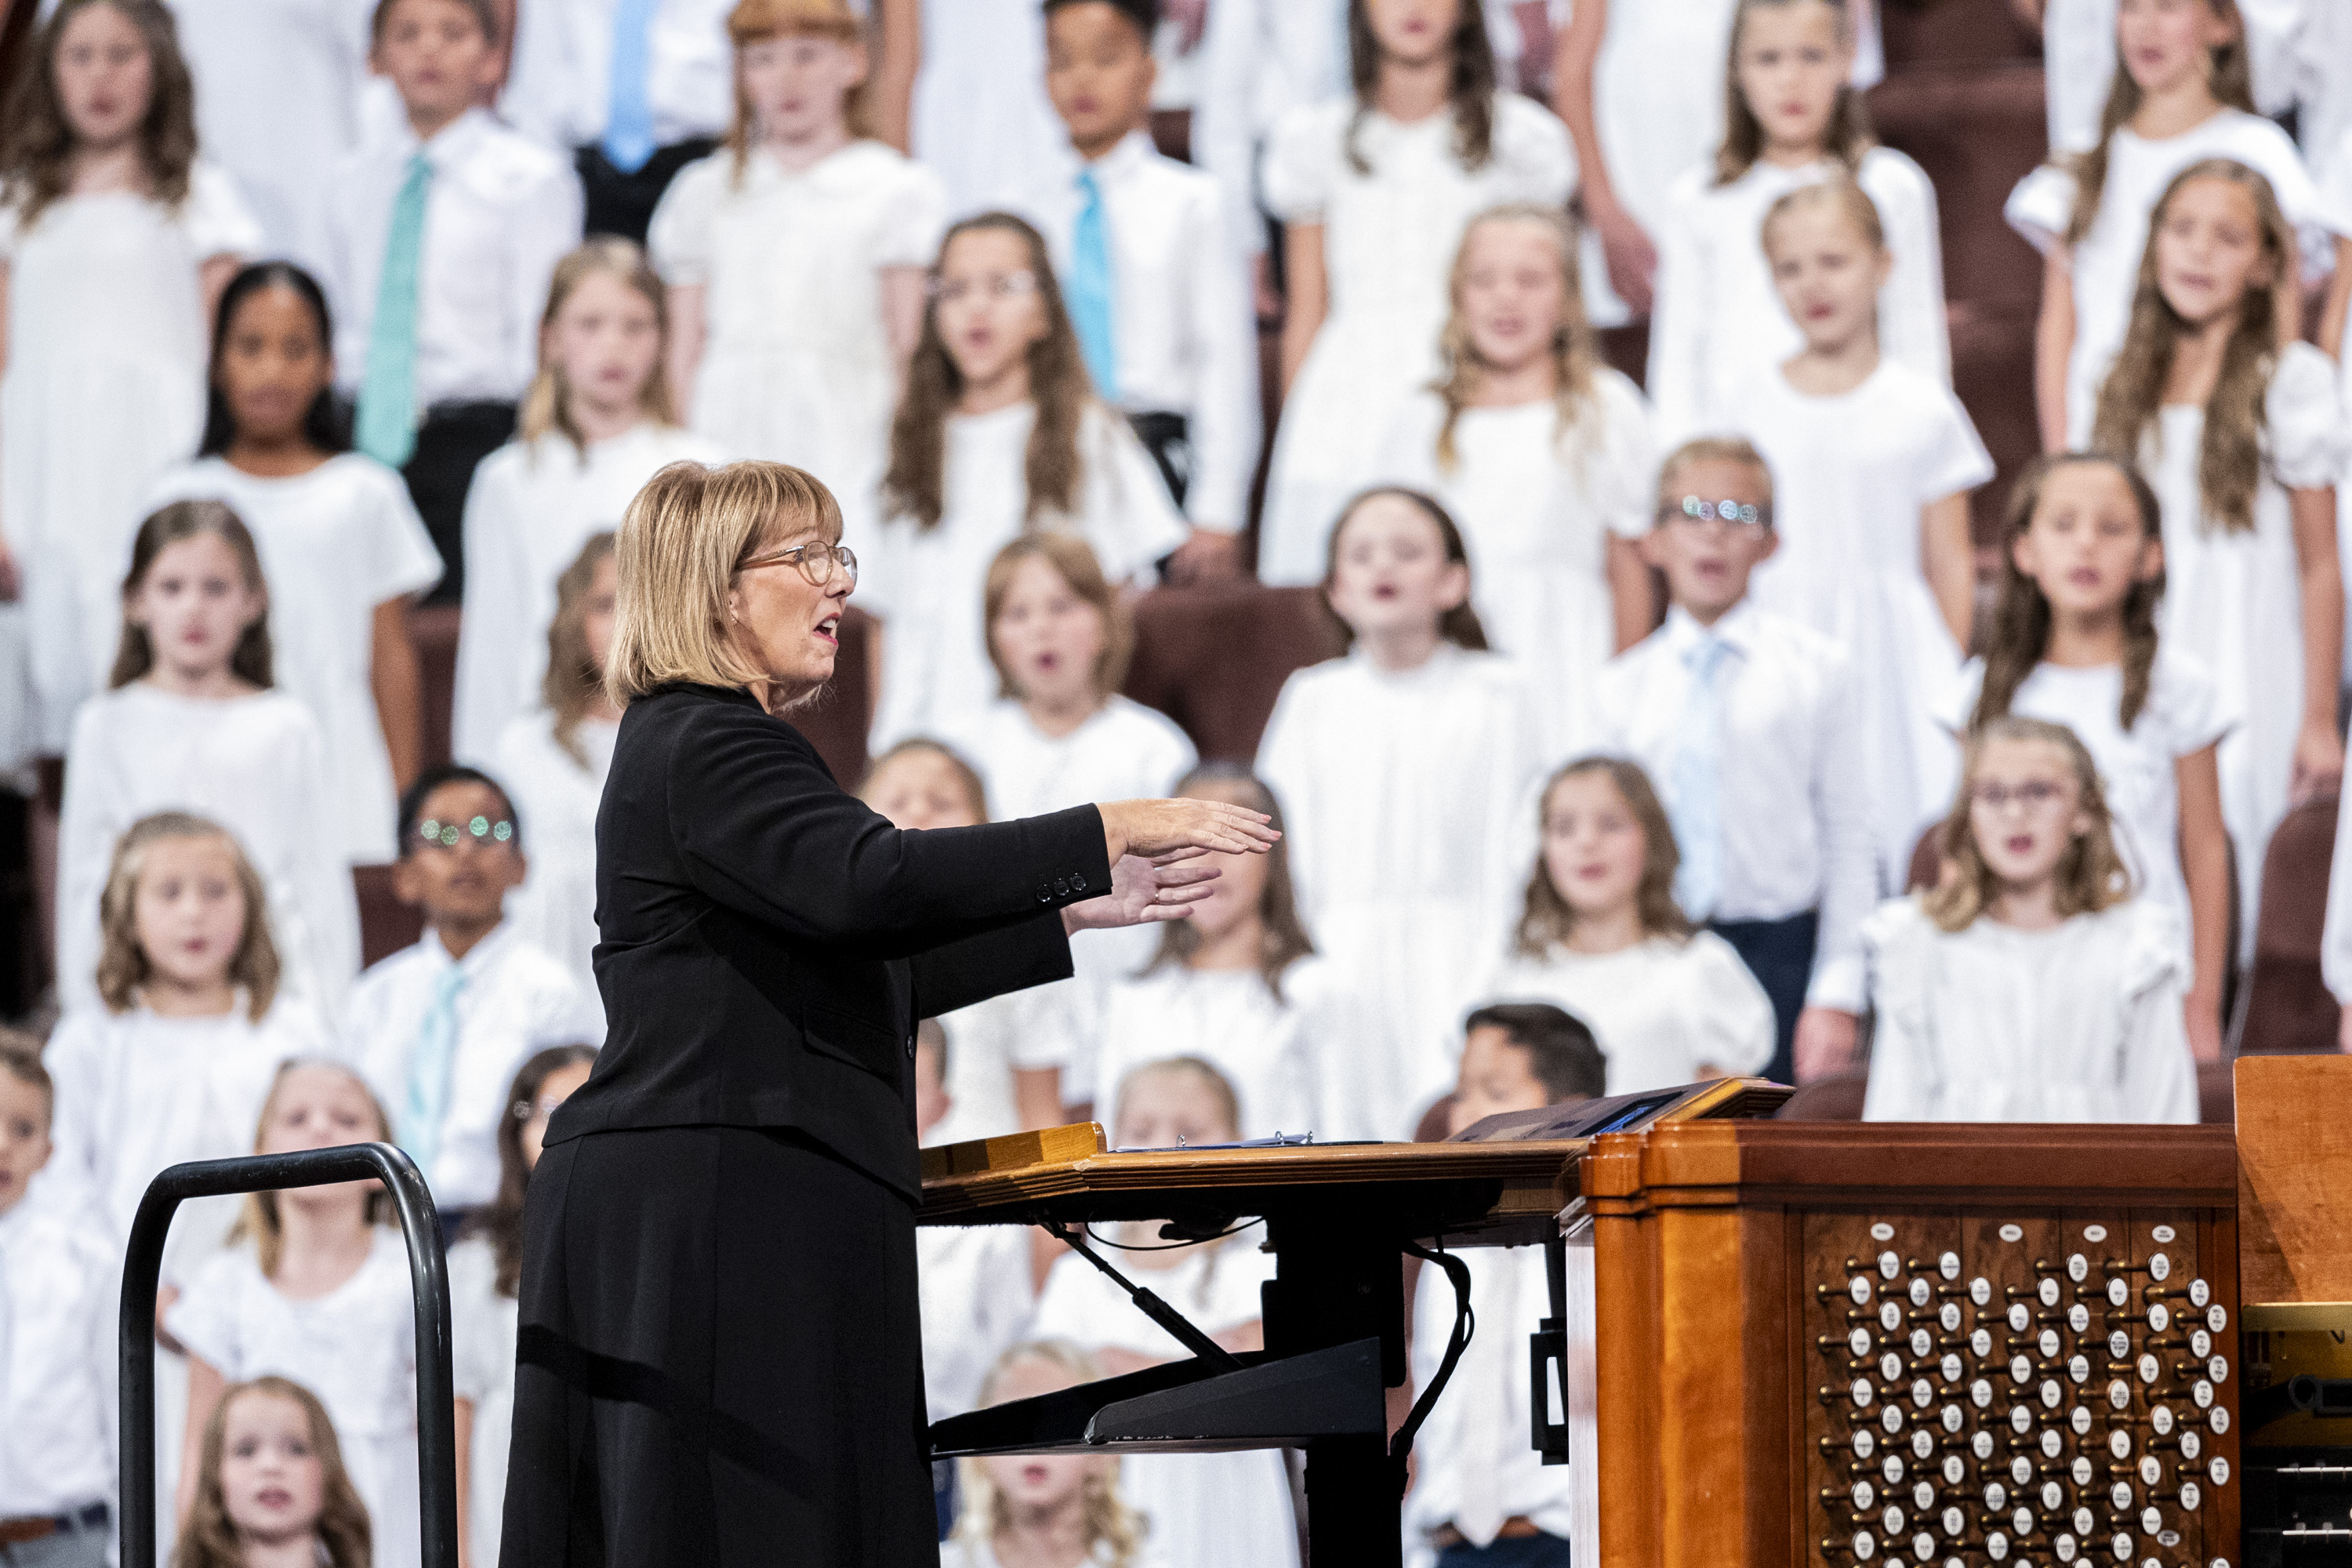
(1338, 1218)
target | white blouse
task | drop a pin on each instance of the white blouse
(1661, 1010)
(2080, 1023)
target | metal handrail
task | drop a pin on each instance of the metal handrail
(437, 1435)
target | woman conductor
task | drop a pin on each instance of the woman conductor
(720, 1358)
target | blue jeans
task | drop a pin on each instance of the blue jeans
(1514, 1551)
(1780, 953)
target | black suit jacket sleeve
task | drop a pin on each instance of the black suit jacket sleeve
(762, 828)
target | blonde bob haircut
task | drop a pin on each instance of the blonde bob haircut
(1072, 559)
(682, 541)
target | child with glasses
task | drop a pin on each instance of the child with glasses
(440, 1027)
(795, 255)
(2074, 641)
(1750, 726)
(2029, 985)
(1876, 460)
(1000, 434)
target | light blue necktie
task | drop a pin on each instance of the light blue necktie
(387, 411)
(1090, 289)
(628, 111)
(1695, 784)
(428, 1101)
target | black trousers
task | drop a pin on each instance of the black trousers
(720, 1360)
(1168, 438)
(1780, 953)
(622, 203)
(450, 444)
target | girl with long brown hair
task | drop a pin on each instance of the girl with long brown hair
(1600, 937)
(599, 420)
(2027, 985)
(552, 761)
(271, 1477)
(2243, 440)
(2182, 91)
(1417, 737)
(795, 254)
(1374, 190)
(1793, 117)
(195, 722)
(2073, 641)
(1542, 453)
(115, 242)
(316, 1289)
(998, 434)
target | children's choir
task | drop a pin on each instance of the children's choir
(1681, 728)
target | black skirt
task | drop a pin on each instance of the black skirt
(721, 1359)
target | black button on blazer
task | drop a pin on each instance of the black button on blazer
(769, 942)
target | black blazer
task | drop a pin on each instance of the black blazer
(769, 942)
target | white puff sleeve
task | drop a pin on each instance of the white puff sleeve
(1732, 1021)
(1303, 161)
(1621, 476)
(1898, 942)
(2186, 704)
(2156, 1073)
(206, 1319)
(1129, 517)
(917, 216)
(2041, 205)
(2307, 439)
(1538, 160)
(680, 239)
(215, 216)
(1958, 461)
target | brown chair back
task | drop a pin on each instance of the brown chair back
(2288, 1010)
(1214, 659)
(1837, 1098)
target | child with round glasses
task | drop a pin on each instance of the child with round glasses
(440, 1027)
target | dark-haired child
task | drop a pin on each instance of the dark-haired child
(340, 544)
(2074, 641)
(1374, 190)
(1154, 280)
(485, 1279)
(440, 1027)
(114, 243)
(196, 722)
(55, 1390)
(438, 240)
(1480, 1495)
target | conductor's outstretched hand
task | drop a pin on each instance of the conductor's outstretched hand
(1151, 842)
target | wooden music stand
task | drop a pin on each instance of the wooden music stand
(1337, 1217)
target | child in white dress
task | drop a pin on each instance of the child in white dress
(1007, 1052)
(193, 723)
(340, 545)
(114, 243)
(2185, 93)
(1207, 1511)
(1237, 985)
(174, 1061)
(1026, 1509)
(271, 1476)
(2074, 642)
(1403, 768)
(1874, 461)
(485, 1277)
(553, 761)
(596, 423)
(999, 435)
(2243, 442)
(795, 256)
(1602, 937)
(1060, 635)
(1543, 454)
(1796, 120)
(1373, 191)
(2029, 985)
(317, 1291)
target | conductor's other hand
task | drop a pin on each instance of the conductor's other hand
(1154, 828)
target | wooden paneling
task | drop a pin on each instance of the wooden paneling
(2294, 1202)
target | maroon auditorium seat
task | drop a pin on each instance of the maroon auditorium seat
(2288, 1010)
(1837, 1098)
(1214, 659)
(836, 726)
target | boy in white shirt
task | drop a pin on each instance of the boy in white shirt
(56, 1343)
(1154, 282)
(440, 235)
(439, 1028)
(1481, 1494)
(1747, 725)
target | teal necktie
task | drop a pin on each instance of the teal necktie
(427, 1104)
(1090, 289)
(1695, 782)
(388, 412)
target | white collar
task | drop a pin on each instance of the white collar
(450, 145)
(1130, 153)
(478, 957)
(1736, 627)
